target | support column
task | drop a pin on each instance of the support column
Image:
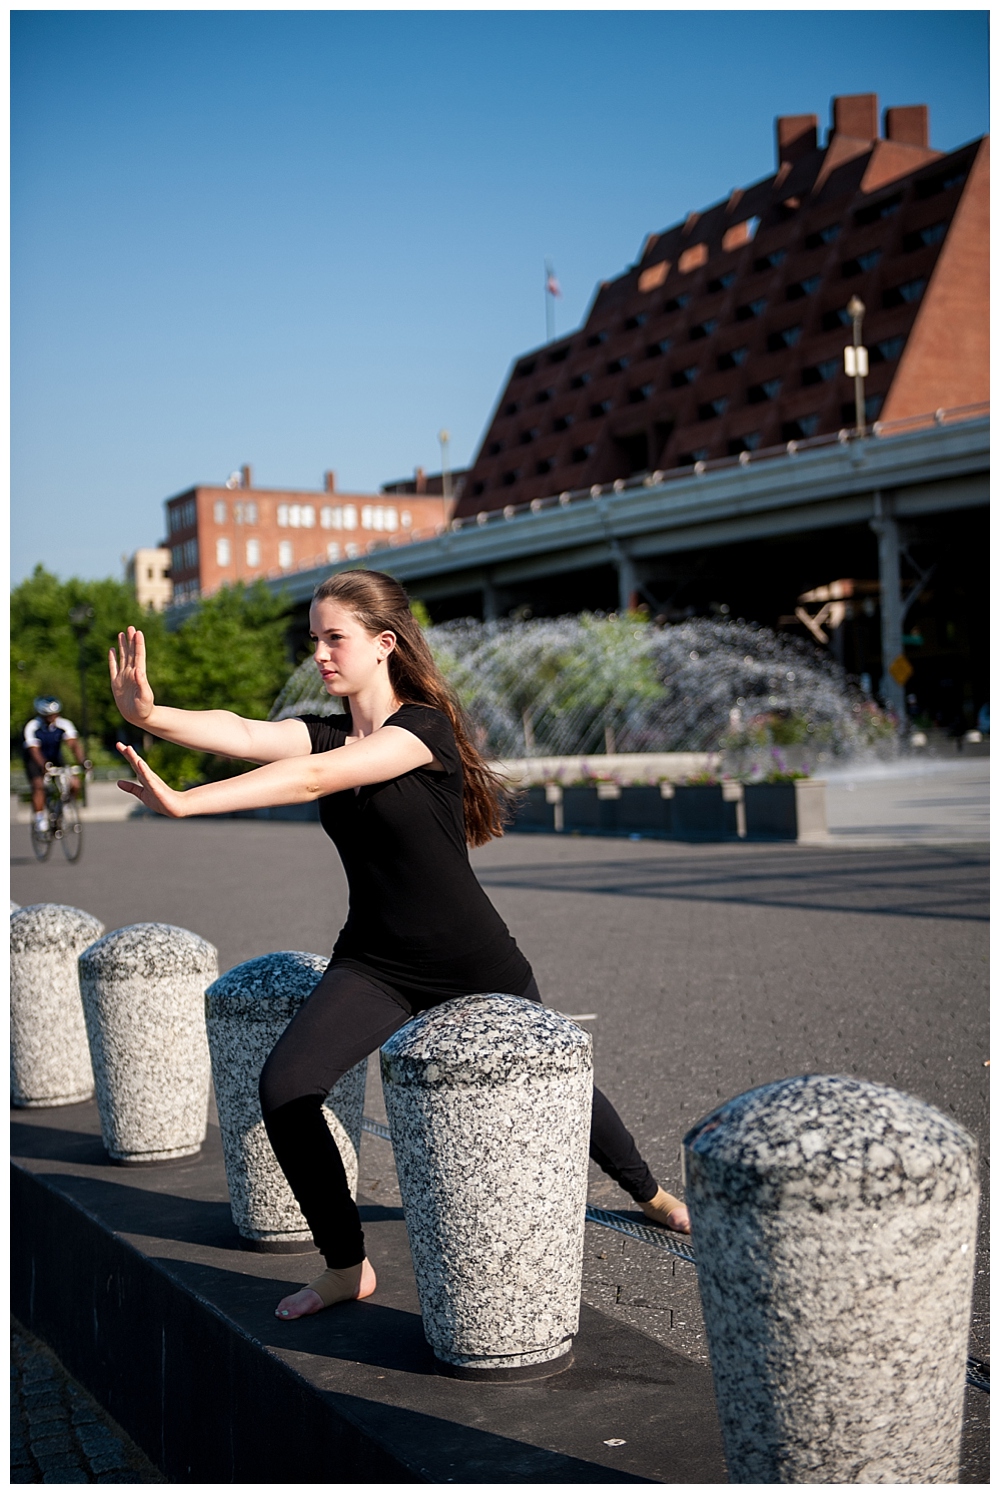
(628, 581)
(887, 529)
(491, 601)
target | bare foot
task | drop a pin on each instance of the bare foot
(664, 1209)
(305, 1301)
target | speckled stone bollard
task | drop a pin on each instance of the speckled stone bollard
(49, 1057)
(246, 1011)
(835, 1225)
(489, 1100)
(143, 991)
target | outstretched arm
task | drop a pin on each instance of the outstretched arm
(221, 732)
(387, 753)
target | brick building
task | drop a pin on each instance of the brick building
(727, 335)
(218, 535)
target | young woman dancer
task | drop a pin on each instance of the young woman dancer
(402, 793)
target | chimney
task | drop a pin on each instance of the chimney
(329, 482)
(419, 480)
(246, 477)
(908, 125)
(856, 114)
(796, 136)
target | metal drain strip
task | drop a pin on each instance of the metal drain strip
(977, 1374)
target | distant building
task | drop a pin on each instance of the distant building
(148, 572)
(235, 532)
(428, 482)
(728, 333)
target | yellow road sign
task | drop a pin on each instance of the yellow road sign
(901, 669)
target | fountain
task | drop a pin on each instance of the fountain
(593, 684)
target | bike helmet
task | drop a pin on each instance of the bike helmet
(47, 705)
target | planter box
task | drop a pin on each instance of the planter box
(535, 811)
(588, 808)
(702, 812)
(786, 811)
(643, 807)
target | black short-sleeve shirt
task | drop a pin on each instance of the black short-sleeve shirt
(418, 918)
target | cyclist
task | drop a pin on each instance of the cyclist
(44, 736)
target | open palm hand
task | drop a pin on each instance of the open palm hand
(129, 684)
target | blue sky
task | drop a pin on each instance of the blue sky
(312, 239)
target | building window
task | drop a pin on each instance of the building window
(803, 288)
(688, 458)
(220, 511)
(735, 358)
(821, 373)
(932, 185)
(296, 515)
(528, 436)
(677, 303)
(877, 210)
(771, 261)
(637, 396)
(406, 518)
(712, 408)
(245, 513)
(682, 376)
(545, 465)
(544, 395)
(822, 236)
(873, 405)
(921, 238)
(222, 552)
(639, 320)
(596, 338)
(512, 408)
(581, 453)
(657, 349)
(190, 554)
(900, 295)
(579, 381)
(617, 365)
(253, 552)
(749, 441)
(379, 518)
(494, 448)
(183, 516)
(510, 478)
(750, 309)
(786, 338)
(600, 408)
(560, 355)
(285, 554)
(352, 551)
(562, 422)
(722, 282)
(885, 352)
(177, 558)
(757, 394)
(703, 329)
(338, 516)
(834, 319)
(861, 263)
(333, 551)
(801, 429)
(524, 369)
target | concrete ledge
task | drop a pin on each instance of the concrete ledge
(136, 1279)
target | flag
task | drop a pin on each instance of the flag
(552, 285)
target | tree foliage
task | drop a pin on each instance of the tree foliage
(230, 654)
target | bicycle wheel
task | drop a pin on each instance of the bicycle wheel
(70, 831)
(41, 840)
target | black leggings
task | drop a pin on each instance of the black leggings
(347, 1017)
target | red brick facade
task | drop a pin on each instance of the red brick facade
(728, 333)
(220, 535)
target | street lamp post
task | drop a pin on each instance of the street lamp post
(82, 620)
(856, 362)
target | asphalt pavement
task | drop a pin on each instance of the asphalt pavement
(702, 971)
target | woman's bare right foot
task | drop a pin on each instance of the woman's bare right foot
(350, 1284)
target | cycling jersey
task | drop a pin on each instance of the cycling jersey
(48, 737)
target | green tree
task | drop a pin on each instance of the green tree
(45, 657)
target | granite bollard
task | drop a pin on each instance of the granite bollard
(49, 1057)
(489, 1100)
(143, 990)
(835, 1225)
(246, 1011)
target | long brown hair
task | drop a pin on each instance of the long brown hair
(381, 605)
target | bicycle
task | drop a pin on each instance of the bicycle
(62, 815)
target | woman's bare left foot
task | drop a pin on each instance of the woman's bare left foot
(305, 1301)
(663, 1208)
